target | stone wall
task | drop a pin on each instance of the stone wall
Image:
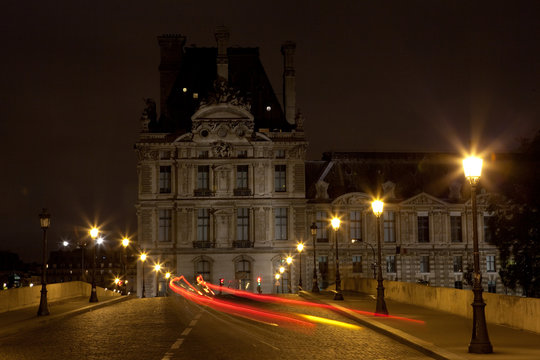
(518, 312)
(19, 298)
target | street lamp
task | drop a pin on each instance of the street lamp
(277, 276)
(45, 220)
(300, 247)
(94, 232)
(157, 268)
(335, 225)
(281, 271)
(143, 259)
(125, 244)
(289, 262)
(313, 229)
(374, 264)
(480, 343)
(377, 206)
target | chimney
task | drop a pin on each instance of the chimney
(222, 38)
(171, 50)
(289, 81)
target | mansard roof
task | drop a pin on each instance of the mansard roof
(400, 175)
(197, 74)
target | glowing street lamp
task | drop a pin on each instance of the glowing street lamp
(300, 247)
(45, 221)
(142, 257)
(313, 229)
(157, 268)
(94, 232)
(277, 276)
(289, 262)
(480, 343)
(377, 206)
(335, 225)
(125, 244)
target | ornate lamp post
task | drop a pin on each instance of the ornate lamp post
(480, 343)
(45, 220)
(289, 262)
(125, 244)
(313, 229)
(143, 259)
(94, 232)
(335, 225)
(157, 269)
(300, 247)
(281, 271)
(377, 206)
(277, 276)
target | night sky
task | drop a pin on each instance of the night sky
(370, 76)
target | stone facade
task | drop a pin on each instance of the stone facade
(225, 190)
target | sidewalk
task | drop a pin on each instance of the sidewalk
(23, 319)
(443, 336)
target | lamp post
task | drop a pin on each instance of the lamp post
(313, 229)
(277, 276)
(377, 206)
(300, 247)
(94, 232)
(143, 259)
(335, 225)
(281, 271)
(289, 262)
(480, 343)
(374, 264)
(125, 244)
(157, 268)
(45, 220)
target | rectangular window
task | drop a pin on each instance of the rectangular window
(391, 264)
(423, 228)
(458, 264)
(242, 153)
(164, 232)
(487, 232)
(424, 264)
(280, 178)
(355, 225)
(281, 223)
(458, 284)
(242, 224)
(389, 224)
(203, 175)
(357, 264)
(492, 286)
(164, 179)
(490, 263)
(280, 154)
(203, 154)
(456, 234)
(203, 225)
(322, 226)
(242, 177)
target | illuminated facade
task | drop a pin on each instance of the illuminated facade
(225, 190)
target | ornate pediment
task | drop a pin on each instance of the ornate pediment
(356, 198)
(424, 199)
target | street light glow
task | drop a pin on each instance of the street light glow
(335, 223)
(65, 243)
(281, 269)
(300, 247)
(125, 242)
(377, 206)
(472, 166)
(94, 233)
(99, 240)
(157, 267)
(143, 257)
(289, 260)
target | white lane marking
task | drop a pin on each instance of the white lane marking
(193, 323)
(198, 316)
(186, 331)
(167, 356)
(177, 344)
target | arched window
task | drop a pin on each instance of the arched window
(242, 273)
(203, 268)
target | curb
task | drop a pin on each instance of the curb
(423, 346)
(38, 321)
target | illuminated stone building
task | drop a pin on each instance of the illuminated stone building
(225, 190)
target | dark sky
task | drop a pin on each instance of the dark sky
(371, 76)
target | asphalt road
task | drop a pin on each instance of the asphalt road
(174, 328)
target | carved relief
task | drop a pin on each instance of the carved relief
(389, 189)
(221, 149)
(223, 93)
(322, 190)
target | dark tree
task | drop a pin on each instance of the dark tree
(515, 223)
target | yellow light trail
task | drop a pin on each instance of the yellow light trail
(330, 322)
